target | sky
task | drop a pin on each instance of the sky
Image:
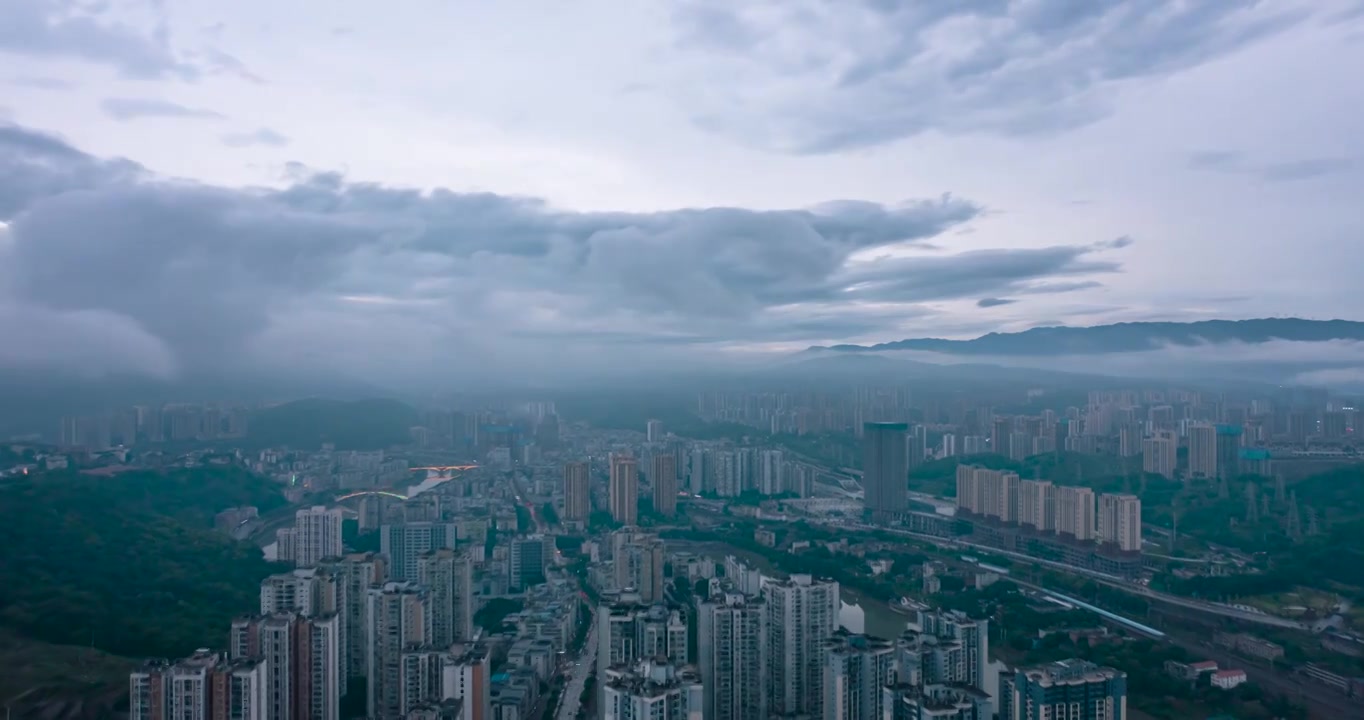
(441, 189)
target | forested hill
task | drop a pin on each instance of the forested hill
(128, 563)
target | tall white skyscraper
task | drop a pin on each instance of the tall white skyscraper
(1119, 521)
(801, 614)
(949, 445)
(1202, 451)
(1075, 512)
(855, 669)
(317, 535)
(772, 475)
(732, 655)
(1159, 453)
(653, 431)
(1037, 505)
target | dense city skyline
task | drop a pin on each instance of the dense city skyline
(681, 360)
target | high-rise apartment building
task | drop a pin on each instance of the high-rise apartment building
(1229, 451)
(302, 677)
(468, 677)
(307, 591)
(1071, 689)
(1119, 521)
(239, 690)
(447, 576)
(949, 445)
(969, 662)
(637, 563)
(856, 668)
(1202, 451)
(885, 470)
(624, 489)
(653, 691)
(527, 558)
(663, 478)
(653, 431)
(801, 614)
(772, 473)
(1037, 505)
(1075, 512)
(317, 535)
(577, 494)
(396, 621)
(355, 574)
(630, 631)
(991, 493)
(422, 675)
(404, 542)
(1159, 453)
(732, 655)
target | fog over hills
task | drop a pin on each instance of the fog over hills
(1274, 350)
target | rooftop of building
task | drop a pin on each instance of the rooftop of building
(1072, 670)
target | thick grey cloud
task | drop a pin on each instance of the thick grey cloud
(64, 29)
(135, 108)
(994, 302)
(1235, 163)
(918, 279)
(822, 75)
(262, 136)
(34, 166)
(391, 279)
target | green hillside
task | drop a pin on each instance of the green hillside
(128, 564)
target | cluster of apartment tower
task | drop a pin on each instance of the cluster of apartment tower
(1071, 512)
(769, 648)
(402, 620)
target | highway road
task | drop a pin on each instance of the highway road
(1103, 579)
(586, 664)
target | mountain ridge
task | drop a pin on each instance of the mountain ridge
(1122, 337)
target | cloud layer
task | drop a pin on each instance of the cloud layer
(814, 76)
(378, 280)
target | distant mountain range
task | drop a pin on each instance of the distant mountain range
(1123, 337)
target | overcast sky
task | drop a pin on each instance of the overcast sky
(433, 186)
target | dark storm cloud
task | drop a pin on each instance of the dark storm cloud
(34, 165)
(135, 108)
(825, 75)
(328, 270)
(1235, 163)
(262, 136)
(994, 302)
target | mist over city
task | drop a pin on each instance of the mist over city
(681, 360)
